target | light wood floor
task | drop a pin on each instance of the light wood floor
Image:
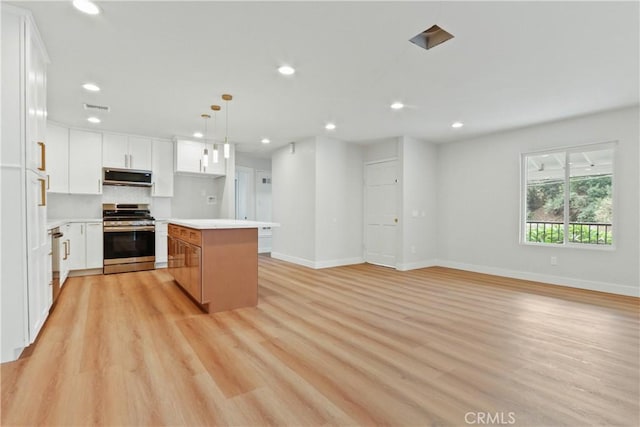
(357, 345)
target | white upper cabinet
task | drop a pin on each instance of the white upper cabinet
(85, 162)
(140, 153)
(36, 96)
(211, 167)
(126, 152)
(190, 158)
(58, 158)
(162, 169)
(115, 151)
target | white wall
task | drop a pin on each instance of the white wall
(418, 219)
(339, 203)
(249, 161)
(382, 149)
(293, 192)
(479, 206)
(317, 199)
(190, 195)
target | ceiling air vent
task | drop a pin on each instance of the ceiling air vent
(92, 107)
(431, 37)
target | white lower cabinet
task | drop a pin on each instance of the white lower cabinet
(76, 246)
(94, 248)
(161, 243)
(84, 245)
(63, 253)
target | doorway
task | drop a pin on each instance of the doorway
(245, 194)
(381, 213)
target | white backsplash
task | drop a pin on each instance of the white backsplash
(124, 194)
(72, 206)
(190, 200)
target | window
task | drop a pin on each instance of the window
(569, 205)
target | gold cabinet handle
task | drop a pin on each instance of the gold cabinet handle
(395, 220)
(43, 192)
(43, 156)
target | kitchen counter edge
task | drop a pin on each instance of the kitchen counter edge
(212, 224)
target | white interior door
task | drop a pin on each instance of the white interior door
(245, 193)
(381, 216)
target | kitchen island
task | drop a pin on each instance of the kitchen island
(216, 261)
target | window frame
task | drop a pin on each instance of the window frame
(567, 151)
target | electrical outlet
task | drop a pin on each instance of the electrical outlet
(554, 260)
(413, 249)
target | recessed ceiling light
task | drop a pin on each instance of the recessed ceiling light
(265, 140)
(330, 126)
(197, 135)
(91, 87)
(93, 120)
(397, 106)
(86, 6)
(457, 125)
(286, 70)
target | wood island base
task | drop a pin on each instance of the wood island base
(217, 268)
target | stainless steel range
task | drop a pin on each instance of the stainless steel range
(129, 238)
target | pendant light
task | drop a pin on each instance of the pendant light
(215, 146)
(205, 154)
(227, 148)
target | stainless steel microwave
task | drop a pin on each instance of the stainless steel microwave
(136, 178)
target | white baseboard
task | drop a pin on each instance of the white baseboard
(293, 259)
(591, 285)
(317, 264)
(416, 264)
(338, 262)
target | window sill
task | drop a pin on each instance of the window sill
(587, 246)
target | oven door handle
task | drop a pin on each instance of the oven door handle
(124, 229)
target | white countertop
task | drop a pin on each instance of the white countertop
(53, 223)
(206, 224)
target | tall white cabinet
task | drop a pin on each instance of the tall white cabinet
(24, 242)
(162, 167)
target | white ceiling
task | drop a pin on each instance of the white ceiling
(511, 64)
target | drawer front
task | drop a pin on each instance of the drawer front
(195, 237)
(184, 233)
(174, 231)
